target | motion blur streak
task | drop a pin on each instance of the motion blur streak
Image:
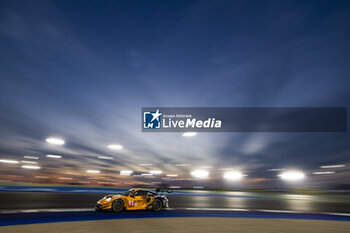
(8, 161)
(56, 141)
(31, 167)
(292, 175)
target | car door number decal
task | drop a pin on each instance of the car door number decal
(131, 203)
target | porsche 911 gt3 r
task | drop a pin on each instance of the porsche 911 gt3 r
(133, 199)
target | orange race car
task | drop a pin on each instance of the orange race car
(134, 199)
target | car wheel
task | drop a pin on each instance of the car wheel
(157, 205)
(118, 205)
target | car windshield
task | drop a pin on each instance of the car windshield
(127, 193)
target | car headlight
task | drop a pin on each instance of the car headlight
(108, 199)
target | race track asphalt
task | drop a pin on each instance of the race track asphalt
(185, 225)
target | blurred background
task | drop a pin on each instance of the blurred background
(75, 74)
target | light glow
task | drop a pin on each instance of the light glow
(200, 174)
(93, 171)
(323, 173)
(31, 167)
(30, 162)
(182, 165)
(105, 157)
(64, 178)
(189, 134)
(115, 147)
(126, 173)
(55, 141)
(275, 169)
(333, 166)
(233, 175)
(292, 175)
(171, 175)
(226, 169)
(54, 156)
(156, 172)
(30, 157)
(8, 161)
(42, 177)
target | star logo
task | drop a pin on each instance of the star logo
(156, 115)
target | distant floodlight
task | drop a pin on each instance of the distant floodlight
(93, 171)
(292, 176)
(171, 175)
(145, 164)
(31, 162)
(105, 157)
(189, 134)
(156, 172)
(115, 147)
(333, 166)
(54, 156)
(201, 174)
(8, 161)
(55, 141)
(275, 169)
(30, 157)
(42, 177)
(182, 165)
(226, 169)
(31, 167)
(126, 173)
(323, 173)
(233, 175)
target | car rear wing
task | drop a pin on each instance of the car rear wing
(164, 189)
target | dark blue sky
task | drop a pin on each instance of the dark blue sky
(82, 70)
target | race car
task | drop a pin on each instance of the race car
(134, 199)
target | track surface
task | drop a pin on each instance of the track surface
(238, 200)
(47, 217)
(185, 225)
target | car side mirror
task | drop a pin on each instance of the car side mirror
(132, 195)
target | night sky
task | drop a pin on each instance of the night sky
(82, 71)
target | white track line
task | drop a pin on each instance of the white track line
(209, 209)
(280, 211)
(340, 214)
